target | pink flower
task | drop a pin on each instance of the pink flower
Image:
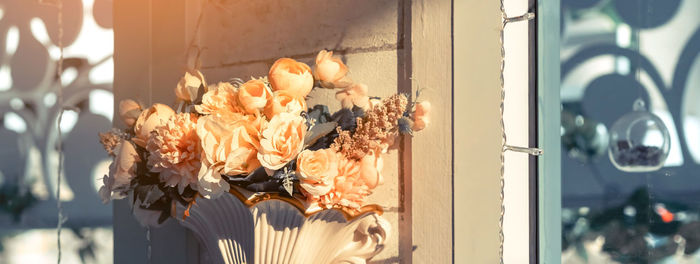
(355, 95)
(317, 170)
(331, 71)
(175, 151)
(420, 116)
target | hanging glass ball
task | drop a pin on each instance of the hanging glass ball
(639, 141)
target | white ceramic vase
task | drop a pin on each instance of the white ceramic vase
(234, 230)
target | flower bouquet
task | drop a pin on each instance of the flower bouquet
(257, 140)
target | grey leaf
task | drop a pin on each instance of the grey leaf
(288, 184)
(318, 131)
(148, 194)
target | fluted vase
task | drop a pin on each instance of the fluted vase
(272, 229)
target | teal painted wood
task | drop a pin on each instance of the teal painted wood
(549, 116)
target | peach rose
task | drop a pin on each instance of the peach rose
(284, 101)
(121, 172)
(187, 88)
(253, 95)
(175, 151)
(420, 116)
(228, 148)
(355, 95)
(258, 123)
(244, 143)
(129, 111)
(220, 99)
(331, 71)
(292, 76)
(317, 170)
(282, 140)
(148, 120)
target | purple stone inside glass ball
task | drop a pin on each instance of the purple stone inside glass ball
(637, 155)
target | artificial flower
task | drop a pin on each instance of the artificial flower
(254, 95)
(148, 120)
(378, 123)
(129, 111)
(244, 143)
(355, 95)
(258, 123)
(292, 76)
(284, 101)
(110, 140)
(370, 169)
(331, 71)
(211, 182)
(227, 149)
(175, 151)
(317, 170)
(220, 99)
(187, 88)
(239, 128)
(388, 142)
(282, 140)
(121, 172)
(420, 116)
(105, 191)
(349, 189)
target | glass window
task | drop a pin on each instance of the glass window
(630, 127)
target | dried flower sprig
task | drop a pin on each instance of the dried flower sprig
(374, 129)
(111, 139)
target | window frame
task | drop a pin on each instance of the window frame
(547, 233)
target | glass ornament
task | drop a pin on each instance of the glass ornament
(639, 141)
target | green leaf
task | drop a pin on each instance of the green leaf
(318, 131)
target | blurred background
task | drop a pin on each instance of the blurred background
(615, 53)
(28, 132)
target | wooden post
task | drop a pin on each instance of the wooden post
(477, 135)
